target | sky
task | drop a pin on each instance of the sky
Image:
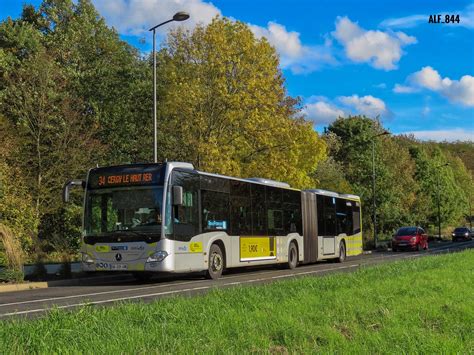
(378, 58)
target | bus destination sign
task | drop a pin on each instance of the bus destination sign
(124, 179)
(125, 176)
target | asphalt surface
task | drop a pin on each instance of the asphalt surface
(119, 288)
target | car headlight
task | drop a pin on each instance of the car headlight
(453, 234)
(157, 257)
(86, 258)
(466, 234)
(413, 239)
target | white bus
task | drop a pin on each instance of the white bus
(169, 217)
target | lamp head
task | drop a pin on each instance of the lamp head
(180, 16)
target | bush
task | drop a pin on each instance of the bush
(13, 255)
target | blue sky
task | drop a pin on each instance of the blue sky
(344, 57)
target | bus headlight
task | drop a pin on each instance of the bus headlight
(86, 258)
(157, 257)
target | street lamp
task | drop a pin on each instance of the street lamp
(439, 198)
(384, 133)
(179, 16)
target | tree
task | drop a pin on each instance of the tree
(223, 106)
(397, 204)
(330, 174)
(438, 182)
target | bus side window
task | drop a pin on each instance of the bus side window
(341, 216)
(215, 210)
(259, 220)
(356, 218)
(273, 198)
(240, 218)
(292, 211)
(185, 216)
(329, 216)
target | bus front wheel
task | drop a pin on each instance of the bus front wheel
(292, 256)
(216, 262)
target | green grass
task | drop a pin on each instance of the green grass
(419, 306)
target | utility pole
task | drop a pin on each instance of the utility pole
(374, 206)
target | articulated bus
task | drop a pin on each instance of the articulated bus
(169, 217)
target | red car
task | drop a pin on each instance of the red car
(410, 238)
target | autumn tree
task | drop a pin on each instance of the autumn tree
(223, 106)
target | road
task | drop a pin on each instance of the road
(37, 302)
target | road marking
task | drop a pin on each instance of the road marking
(171, 292)
(364, 261)
(178, 284)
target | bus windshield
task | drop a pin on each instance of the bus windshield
(123, 209)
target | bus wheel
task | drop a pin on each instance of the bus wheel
(342, 253)
(142, 276)
(292, 256)
(216, 262)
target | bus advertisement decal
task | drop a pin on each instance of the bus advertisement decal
(257, 248)
(102, 248)
(195, 247)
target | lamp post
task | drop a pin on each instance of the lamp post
(439, 198)
(179, 16)
(384, 133)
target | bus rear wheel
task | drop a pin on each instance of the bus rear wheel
(342, 253)
(215, 262)
(292, 256)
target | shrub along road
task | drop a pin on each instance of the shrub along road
(37, 302)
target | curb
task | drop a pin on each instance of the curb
(70, 282)
(23, 287)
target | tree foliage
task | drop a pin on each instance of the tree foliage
(224, 107)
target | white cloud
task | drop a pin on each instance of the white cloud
(380, 49)
(405, 22)
(322, 111)
(449, 135)
(466, 19)
(458, 91)
(403, 89)
(135, 17)
(380, 86)
(365, 105)
(293, 54)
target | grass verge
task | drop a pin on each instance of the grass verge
(424, 305)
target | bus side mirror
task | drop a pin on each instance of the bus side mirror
(68, 185)
(177, 195)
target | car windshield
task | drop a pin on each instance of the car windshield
(135, 209)
(461, 230)
(406, 231)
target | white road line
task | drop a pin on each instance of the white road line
(170, 292)
(314, 271)
(99, 293)
(105, 301)
(200, 281)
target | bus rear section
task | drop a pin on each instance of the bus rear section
(331, 225)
